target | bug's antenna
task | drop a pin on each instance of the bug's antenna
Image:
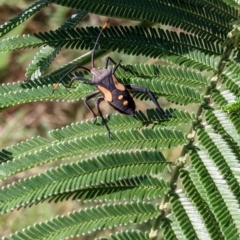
(94, 48)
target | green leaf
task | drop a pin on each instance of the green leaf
(81, 222)
(107, 177)
(150, 41)
(223, 98)
(198, 197)
(175, 74)
(80, 144)
(232, 3)
(8, 26)
(133, 234)
(47, 54)
(184, 16)
(222, 120)
(219, 197)
(188, 218)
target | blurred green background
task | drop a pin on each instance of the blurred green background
(29, 120)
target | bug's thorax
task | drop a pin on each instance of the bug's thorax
(100, 74)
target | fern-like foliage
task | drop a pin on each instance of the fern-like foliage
(133, 234)
(160, 138)
(122, 180)
(82, 221)
(47, 54)
(8, 26)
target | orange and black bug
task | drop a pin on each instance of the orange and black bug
(115, 93)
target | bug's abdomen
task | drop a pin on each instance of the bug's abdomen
(123, 102)
(117, 95)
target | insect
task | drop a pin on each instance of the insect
(111, 90)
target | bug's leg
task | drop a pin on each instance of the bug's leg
(71, 70)
(116, 64)
(150, 94)
(107, 62)
(85, 100)
(77, 78)
(97, 103)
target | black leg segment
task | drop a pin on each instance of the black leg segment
(150, 94)
(71, 70)
(78, 78)
(116, 64)
(97, 103)
(92, 95)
